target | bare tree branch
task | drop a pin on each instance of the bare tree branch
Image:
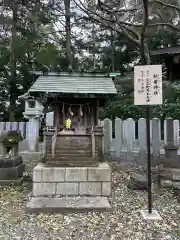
(122, 26)
(165, 4)
(106, 7)
(104, 12)
(165, 24)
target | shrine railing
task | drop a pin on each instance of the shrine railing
(98, 130)
(54, 140)
(49, 129)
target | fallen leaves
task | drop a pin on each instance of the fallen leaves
(124, 222)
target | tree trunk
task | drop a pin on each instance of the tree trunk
(144, 49)
(68, 32)
(94, 48)
(12, 82)
(112, 52)
(112, 49)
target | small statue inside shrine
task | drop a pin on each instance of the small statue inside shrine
(68, 124)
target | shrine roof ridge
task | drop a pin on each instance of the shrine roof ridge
(73, 84)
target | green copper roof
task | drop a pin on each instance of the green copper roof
(84, 84)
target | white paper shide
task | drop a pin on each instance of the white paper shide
(148, 85)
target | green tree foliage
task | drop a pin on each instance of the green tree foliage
(53, 35)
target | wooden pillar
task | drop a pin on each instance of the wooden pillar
(92, 114)
(54, 110)
(85, 116)
(56, 115)
(96, 116)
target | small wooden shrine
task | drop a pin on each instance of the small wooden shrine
(73, 97)
(170, 59)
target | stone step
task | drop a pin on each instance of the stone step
(62, 153)
(72, 157)
(68, 204)
(76, 153)
(61, 163)
(71, 143)
(73, 147)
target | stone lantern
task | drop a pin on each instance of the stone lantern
(33, 112)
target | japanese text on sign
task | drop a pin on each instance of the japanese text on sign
(148, 85)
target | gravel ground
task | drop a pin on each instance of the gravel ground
(124, 222)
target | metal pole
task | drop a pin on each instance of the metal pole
(148, 158)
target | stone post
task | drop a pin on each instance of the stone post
(33, 132)
(118, 136)
(1, 149)
(176, 132)
(156, 139)
(107, 136)
(142, 141)
(1, 128)
(130, 134)
(171, 156)
(165, 132)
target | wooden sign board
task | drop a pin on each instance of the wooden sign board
(148, 85)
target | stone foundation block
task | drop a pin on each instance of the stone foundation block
(48, 174)
(59, 174)
(10, 173)
(106, 189)
(37, 173)
(90, 188)
(76, 174)
(44, 189)
(101, 173)
(72, 181)
(67, 188)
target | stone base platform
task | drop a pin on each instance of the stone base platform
(71, 181)
(68, 204)
(70, 188)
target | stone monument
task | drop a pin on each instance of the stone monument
(172, 159)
